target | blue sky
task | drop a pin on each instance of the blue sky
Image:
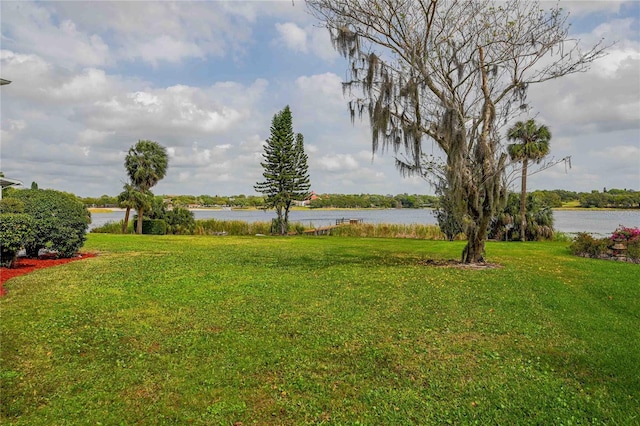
(204, 79)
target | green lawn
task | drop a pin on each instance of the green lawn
(320, 330)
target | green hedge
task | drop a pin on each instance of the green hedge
(60, 221)
(16, 229)
(154, 227)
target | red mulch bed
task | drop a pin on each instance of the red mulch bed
(23, 266)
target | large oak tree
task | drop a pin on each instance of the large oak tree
(451, 72)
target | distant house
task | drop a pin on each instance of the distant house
(307, 200)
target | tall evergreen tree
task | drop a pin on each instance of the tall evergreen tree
(285, 169)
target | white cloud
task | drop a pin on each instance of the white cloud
(163, 48)
(319, 99)
(90, 84)
(327, 84)
(320, 42)
(309, 39)
(77, 33)
(169, 113)
(622, 155)
(617, 61)
(294, 37)
(581, 7)
(29, 24)
(337, 162)
(92, 136)
(16, 125)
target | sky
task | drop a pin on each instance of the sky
(204, 79)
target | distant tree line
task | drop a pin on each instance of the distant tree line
(364, 201)
(608, 198)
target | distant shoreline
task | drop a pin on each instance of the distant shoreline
(218, 209)
(99, 210)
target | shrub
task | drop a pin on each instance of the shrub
(154, 227)
(15, 231)
(180, 221)
(158, 209)
(633, 249)
(586, 245)
(506, 225)
(60, 221)
(562, 237)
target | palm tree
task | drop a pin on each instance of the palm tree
(130, 198)
(146, 163)
(532, 145)
(126, 200)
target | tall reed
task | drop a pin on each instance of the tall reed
(230, 227)
(113, 228)
(238, 227)
(385, 230)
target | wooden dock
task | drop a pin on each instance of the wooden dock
(321, 231)
(345, 221)
(326, 230)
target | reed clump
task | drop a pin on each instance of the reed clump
(385, 230)
(113, 228)
(230, 227)
(242, 228)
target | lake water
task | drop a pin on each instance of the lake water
(599, 222)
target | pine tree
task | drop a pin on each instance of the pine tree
(285, 169)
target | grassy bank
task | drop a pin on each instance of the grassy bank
(101, 210)
(265, 330)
